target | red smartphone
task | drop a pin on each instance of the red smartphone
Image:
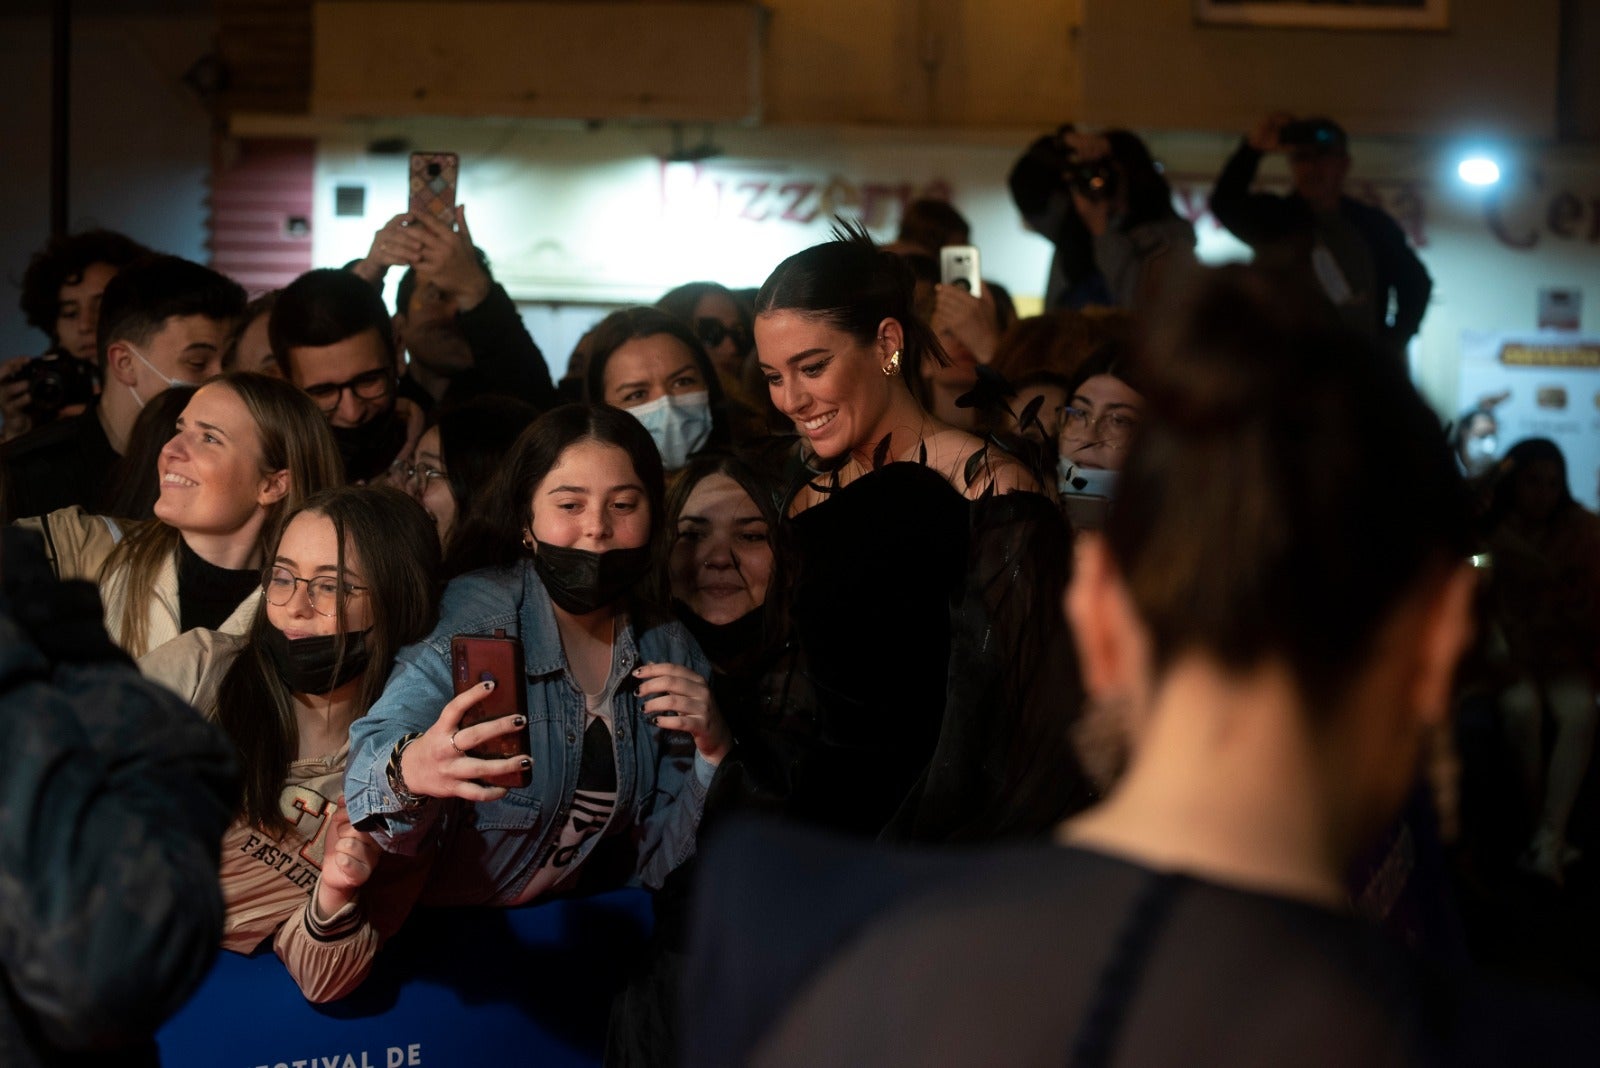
(433, 185)
(475, 659)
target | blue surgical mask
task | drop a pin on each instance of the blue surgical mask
(172, 383)
(1087, 481)
(679, 424)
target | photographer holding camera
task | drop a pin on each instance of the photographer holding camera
(1354, 253)
(1101, 200)
(61, 298)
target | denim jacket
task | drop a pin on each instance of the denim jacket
(489, 850)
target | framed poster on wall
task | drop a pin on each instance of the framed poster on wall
(1326, 14)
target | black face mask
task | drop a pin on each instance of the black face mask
(724, 643)
(369, 449)
(306, 664)
(580, 581)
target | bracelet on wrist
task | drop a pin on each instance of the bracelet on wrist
(397, 779)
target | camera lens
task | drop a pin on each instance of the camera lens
(47, 391)
(433, 170)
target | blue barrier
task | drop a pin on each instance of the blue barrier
(454, 987)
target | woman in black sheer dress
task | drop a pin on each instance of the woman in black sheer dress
(929, 663)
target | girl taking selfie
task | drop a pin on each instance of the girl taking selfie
(615, 739)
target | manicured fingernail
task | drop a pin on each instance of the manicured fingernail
(520, 721)
(489, 685)
(525, 763)
(638, 671)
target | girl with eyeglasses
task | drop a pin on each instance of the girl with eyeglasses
(247, 449)
(351, 579)
(1102, 417)
(458, 455)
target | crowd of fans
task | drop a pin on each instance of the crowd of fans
(800, 556)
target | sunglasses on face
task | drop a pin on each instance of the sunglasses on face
(712, 332)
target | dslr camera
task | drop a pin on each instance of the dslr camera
(1092, 179)
(56, 380)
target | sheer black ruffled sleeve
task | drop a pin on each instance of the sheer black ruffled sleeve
(1004, 766)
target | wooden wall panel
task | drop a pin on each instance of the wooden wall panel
(690, 61)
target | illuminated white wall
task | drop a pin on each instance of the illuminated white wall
(592, 217)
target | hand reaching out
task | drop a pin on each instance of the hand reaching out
(347, 863)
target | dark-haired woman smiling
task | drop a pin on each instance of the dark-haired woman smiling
(923, 605)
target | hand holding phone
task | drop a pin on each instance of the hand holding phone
(447, 260)
(958, 266)
(439, 762)
(476, 660)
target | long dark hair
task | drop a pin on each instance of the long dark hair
(473, 439)
(636, 324)
(491, 532)
(852, 285)
(398, 550)
(1287, 491)
(1513, 468)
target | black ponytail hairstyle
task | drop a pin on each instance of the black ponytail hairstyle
(852, 285)
(1287, 491)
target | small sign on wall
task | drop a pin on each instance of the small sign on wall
(1560, 308)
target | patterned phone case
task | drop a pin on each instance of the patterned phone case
(433, 185)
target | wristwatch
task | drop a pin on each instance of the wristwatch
(397, 780)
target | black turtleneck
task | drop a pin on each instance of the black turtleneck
(207, 594)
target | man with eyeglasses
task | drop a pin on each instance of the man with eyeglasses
(459, 331)
(334, 336)
(163, 322)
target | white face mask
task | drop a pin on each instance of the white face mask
(679, 423)
(172, 383)
(1086, 481)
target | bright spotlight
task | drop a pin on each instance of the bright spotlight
(1479, 170)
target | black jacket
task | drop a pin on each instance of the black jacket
(57, 465)
(505, 359)
(1284, 224)
(113, 798)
